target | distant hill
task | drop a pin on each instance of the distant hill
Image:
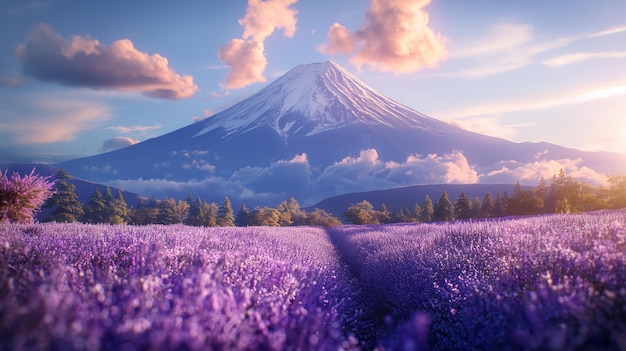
(84, 188)
(406, 197)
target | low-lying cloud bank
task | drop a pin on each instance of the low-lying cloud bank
(295, 177)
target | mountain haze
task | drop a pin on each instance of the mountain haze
(318, 131)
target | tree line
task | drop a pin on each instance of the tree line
(113, 209)
(20, 198)
(563, 195)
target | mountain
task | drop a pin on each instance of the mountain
(316, 132)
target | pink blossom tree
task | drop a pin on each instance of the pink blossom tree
(22, 197)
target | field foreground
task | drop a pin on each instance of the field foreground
(555, 282)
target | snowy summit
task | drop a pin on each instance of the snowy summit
(314, 98)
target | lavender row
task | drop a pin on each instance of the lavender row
(553, 282)
(70, 286)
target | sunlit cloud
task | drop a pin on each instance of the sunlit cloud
(118, 143)
(605, 91)
(492, 125)
(246, 56)
(529, 173)
(609, 31)
(142, 130)
(85, 62)
(396, 37)
(45, 120)
(583, 56)
(511, 46)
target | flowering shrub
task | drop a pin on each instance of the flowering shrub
(73, 286)
(21, 197)
(554, 282)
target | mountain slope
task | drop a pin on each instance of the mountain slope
(316, 132)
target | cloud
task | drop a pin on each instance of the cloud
(491, 125)
(341, 41)
(529, 173)
(142, 130)
(85, 62)
(396, 37)
(51, 119)
(582, 56)
(117, 143)
(511, 46)
(246, 56)
(246, 60)
(9, 79)
(601, 91)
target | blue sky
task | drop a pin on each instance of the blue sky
(79, 78)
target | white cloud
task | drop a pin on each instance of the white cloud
(511, 46)
(529, 173)
(50, 119)
(582, 56)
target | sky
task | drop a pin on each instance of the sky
(79, 78)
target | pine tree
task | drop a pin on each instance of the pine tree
(476, 208)
(243, 216)
(417, 213)
(488, 206)
(426, 214)
(225, 214)
(463, 207)
(95, 209)
(444, 210)
(67, 208)
(172, 211)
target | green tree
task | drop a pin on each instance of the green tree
(290, 213)
(66, 206)
(321, 218)
(617, 192)
(225, 214)
(265, 216)
(463, 207)
(417, 213)
(243, 216)
(201, 213)
(382, 215)
(476, 208)
(488, 206)
(116, 208)
(427, 211)
(145, 212)
(524, 202)
(444, 209)
(172, 211)
(95, 209)
(361, 213)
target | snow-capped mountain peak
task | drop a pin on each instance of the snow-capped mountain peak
(314, 98)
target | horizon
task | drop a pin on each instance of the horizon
(505, 70)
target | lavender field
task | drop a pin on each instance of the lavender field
(554, 282)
